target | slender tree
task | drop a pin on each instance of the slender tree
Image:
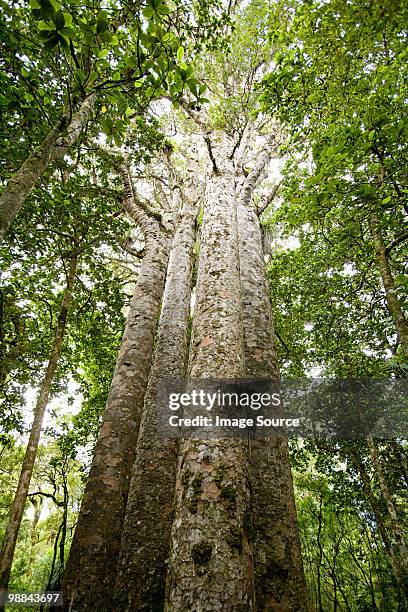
(388, 282)
(95, 56)
(53, 147)
(17, 509)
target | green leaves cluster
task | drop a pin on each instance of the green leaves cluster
(338, 87)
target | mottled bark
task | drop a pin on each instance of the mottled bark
(91, 568)
(394, 307)
(55, 145)
(279, 578)
(140, 583)
(210, 564)
(17, 509)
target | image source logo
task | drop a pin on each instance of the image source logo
(296, 408)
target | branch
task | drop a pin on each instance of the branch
(283, 343)
(396, 242)
(269, 198)
(211, 154)
(256, 172)
(127, 247)
(201, 123)
(136, 212)
(50, 495)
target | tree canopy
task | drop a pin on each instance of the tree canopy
(116, 117)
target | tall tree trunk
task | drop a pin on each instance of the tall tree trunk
(279, 576)
(92, 563)
(140, 583)
(17, 509)
(394, 561)
(395, 526)
(210, 565)
(54, 146)
(394, 307)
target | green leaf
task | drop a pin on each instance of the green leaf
(64, 40)
(44, 26)
(68, 19)
(180, 54)
(101, 22)
(163, 10)
(131, 61)
(148, 12)
(79, 75)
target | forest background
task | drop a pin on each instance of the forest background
(324, 85)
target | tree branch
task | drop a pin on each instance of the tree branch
(268, 199)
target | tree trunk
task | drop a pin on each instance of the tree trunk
(36, 501)
(91, 567)
(210, 565)
(140, 583)
(53, 147)
(279, 576)
(396, 528)
(394, 307)
(393, 559)
(17, 509)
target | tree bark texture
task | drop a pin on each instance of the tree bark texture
(394, 307)
(17, 509)
(140, 582)
(91, 568)
(279, 577)
(210, 564)
(54, 146)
